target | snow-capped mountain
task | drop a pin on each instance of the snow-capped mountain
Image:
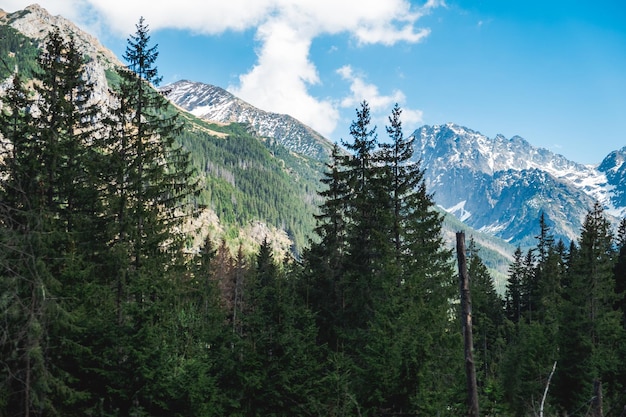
(614, 169)
(501, 185)
(216, 104)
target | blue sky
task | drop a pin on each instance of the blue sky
(553, 72)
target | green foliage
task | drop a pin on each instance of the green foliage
(245, 180)
(44, 196)
(380, 280)
(17, 52)
(562, 307)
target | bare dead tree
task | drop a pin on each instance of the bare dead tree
(545, 392)
(466, 323)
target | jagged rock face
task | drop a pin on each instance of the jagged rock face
(502, 185)
(35, 22)
(615, 170)
(218, 105)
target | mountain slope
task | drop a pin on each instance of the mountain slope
(614, 169)
(502, 185)
(253, 187)
(218, 105)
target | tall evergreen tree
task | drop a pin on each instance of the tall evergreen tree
(620, 272)
(533, 305)
(529, 286)
(149, 185)
(367, 216)
(487, 318)
(324, 260)
(513, 294)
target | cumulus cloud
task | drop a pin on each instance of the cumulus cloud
(361, 90)
(70, 9)
(280, 80)
(380, 104)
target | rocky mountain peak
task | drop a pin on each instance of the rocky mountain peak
(36, 22)
(501, 185)
(215, 104)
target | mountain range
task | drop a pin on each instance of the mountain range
(496, 186)
(500, 186)
(213, 103)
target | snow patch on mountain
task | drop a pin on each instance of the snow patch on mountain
(498, 154)
(218, 105)
(499, 185)
(459, 211)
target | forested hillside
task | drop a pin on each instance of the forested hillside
(245, 180)
(18, 52)
(106, 311)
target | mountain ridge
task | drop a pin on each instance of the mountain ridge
(498, 184)
(216, 104)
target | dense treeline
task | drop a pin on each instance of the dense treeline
(104, 312)
(565, 309)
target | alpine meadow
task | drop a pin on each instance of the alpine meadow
(161, 261)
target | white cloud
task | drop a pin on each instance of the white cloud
(380, 105)
(283, 74)
(69, 9)
(411, 119)
(361, 90)
(279, 80)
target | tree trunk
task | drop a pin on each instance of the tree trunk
(545, 392)
(466, 322)
(597, 399)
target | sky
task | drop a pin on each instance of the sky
(550, 71)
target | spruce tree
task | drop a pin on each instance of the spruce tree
(620, 272)
(590, 326)
(366, 217)
(149, 188)
(513, 294)
(487, 316)
(324, 260)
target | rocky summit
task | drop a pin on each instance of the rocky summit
(218, 105)
(501, 186)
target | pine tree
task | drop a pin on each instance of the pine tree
(572, 384)
(487, 317)
(367, 221)
(530, 287)
(513, 295)
(324, 260)
(620, 272)
(149, 188)
(402, 176)
(533, 305)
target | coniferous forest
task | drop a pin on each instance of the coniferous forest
(104, 310)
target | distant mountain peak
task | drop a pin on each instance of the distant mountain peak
(215, 104)
(499, 184)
